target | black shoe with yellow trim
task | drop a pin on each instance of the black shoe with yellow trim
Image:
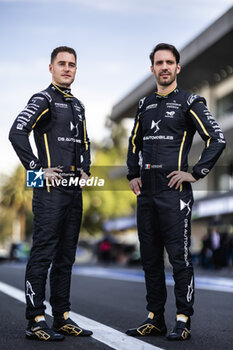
(153, 325)
(38, 329)
(64, 325)
(182, 329)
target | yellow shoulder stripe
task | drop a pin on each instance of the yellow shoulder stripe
(45, 111)
(202, 126)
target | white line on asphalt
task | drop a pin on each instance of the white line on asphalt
(218, 284)
(104, 334)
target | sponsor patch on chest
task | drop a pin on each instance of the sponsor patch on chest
(170, 114)
(61, 105)
(173, 104)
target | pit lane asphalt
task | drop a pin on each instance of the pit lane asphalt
(120, 305)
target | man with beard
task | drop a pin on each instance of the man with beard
(161, 138)
(58, 121)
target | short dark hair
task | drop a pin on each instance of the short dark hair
(58, 49)
(164, 46)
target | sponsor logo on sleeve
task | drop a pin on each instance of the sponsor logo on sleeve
(140, 104)
(46, 94)
(19, 126)
(32, 164)
(191, 99)
(205, 171)
(78, 109)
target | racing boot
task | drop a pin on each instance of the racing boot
(153, 325)
(182, 329)
(38, 329)
(64, 325)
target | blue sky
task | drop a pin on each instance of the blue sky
(112, 39)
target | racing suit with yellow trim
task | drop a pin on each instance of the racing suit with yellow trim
(58, 121)
(159, 144)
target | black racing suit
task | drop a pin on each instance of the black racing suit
(58, 121)
(159, 144)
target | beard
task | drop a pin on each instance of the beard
(166, 82)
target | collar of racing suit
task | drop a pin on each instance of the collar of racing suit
(65, 92)
(174, 91)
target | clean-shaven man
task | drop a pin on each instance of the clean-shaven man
(58, 121)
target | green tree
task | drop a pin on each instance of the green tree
(115, 199)
(108, 157)
(16, 198)
(6, 219)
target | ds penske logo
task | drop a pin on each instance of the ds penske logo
(72, 126)
(185, 205)
(155, 125)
